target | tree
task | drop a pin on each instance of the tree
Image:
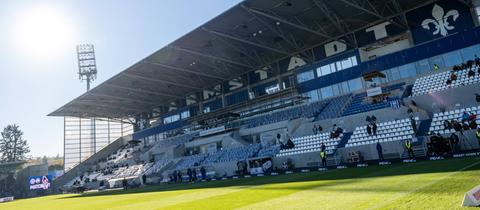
(12, 145)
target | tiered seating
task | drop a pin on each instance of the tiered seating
(332, 109)
(120, 157)
(239, 153)
(212, 158)
(157, 166)
(93, 175)
(438, 82)
(270, 151)
(234, 154)
(121, 172)
(190, 161)
(308, 110)
(397, 130)
(112, 173)
(177, 140)
(358, 105)
(438, 119)
(312, 143)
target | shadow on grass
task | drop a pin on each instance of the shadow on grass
(339, 177)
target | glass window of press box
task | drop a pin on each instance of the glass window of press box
(337, 66)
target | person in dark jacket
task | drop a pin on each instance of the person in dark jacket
(189, 173)
(323, 147)
(179, 177)
(175, 176)
(144, 179)
(457, 126)
(447, 125)
(449, 82)
(194, 175)
(453, 76)
(471, 73)
(203, 172)
(369, 130)
(125, 184)
(454, 140)
(336, 132)
(374, 129)
(414, 124)
(380, 151)
(368, 119)
(332, 133)
(410, 112)
(473, 124)
(290, 144)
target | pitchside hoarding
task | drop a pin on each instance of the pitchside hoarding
(40, 182)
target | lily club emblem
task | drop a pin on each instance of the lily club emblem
(440, 20)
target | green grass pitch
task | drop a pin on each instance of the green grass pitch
(421, 185)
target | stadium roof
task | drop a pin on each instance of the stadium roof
(248, 36)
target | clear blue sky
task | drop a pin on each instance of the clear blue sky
(38, 70)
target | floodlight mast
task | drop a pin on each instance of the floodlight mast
(87, 67)
(87, 71)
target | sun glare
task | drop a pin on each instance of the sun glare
(43, 33)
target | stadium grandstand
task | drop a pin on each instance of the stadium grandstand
(278, 86)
